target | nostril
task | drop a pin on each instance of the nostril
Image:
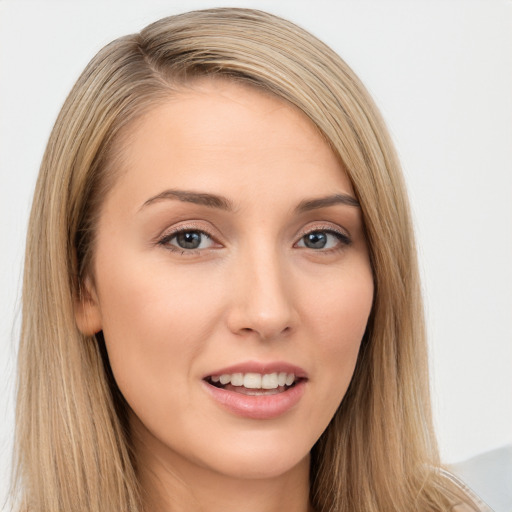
(266, 333)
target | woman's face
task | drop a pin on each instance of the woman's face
(231, 281)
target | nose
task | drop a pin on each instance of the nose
(262, 302)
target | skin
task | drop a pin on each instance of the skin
(253, 291)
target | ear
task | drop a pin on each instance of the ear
(87, 309)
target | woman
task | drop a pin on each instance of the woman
(221, 303)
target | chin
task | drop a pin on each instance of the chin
(259, 459)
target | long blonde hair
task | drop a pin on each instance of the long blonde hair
(73, 443)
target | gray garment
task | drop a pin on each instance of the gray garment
(489, 475)
(472, 502)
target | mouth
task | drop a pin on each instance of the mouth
(255, 390)
(255, 384)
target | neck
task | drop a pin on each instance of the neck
(171, 483)
(171, 492)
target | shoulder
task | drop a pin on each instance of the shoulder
(471, 502)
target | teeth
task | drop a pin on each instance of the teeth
(252, 381)
(256, 380)
(237, 379)
(269, 381)
(289, 379)
(225, 379)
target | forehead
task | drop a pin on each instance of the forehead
(220, 135)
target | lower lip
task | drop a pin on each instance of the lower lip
(259, 407)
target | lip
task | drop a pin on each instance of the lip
(260, 407)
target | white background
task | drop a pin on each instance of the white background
(441, 72)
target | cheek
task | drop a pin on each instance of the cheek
(342, 308)
(154, 324)
(338, 320)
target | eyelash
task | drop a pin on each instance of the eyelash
(165, 240)
(343, 239)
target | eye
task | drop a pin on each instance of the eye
(323, 239)
(188, 239)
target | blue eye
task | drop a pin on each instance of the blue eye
(188, 240)
(323, 239)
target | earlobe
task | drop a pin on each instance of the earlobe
(87, 309)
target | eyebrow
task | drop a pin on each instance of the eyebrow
(222, 203)
(323, 202)
(187, 196)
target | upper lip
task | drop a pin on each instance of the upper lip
(260, 367)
